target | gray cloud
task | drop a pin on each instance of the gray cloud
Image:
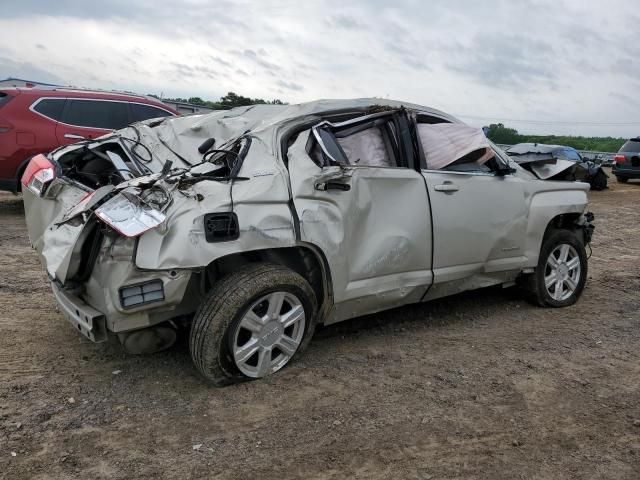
(28, 71)
(541, 59)
(506, 61)
(627, 100)
(343, 20)
(289, 85)
(258, 59)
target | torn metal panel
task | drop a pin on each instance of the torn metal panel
(545, 171)
(260, 204)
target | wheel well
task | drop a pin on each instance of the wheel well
(565, 221)
(306, 261)
(20, 171)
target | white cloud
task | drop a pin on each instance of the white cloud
(497, 59)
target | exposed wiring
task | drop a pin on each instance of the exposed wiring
(166, 145)
(207, 156)
(138, 159)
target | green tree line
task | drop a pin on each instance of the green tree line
(498, 133)
(228, 101)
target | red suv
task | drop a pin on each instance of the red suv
(34, 121)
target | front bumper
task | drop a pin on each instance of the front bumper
(86, 319)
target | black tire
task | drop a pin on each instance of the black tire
(622, 179)
(599, 181)
(535, 282)
(217, 319)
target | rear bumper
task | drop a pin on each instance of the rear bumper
(626, 172)
(86, 319)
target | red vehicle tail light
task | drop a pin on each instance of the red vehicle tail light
(619, 159)
(38, 174)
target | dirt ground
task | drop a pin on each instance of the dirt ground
(481, 385)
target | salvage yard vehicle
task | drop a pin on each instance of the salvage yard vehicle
(558, 162)
(256, 224)
(627, 161)
(38, 120)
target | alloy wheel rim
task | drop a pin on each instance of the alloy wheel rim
(269, 334)
(562, 272)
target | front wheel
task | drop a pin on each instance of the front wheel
(252, 324)
(561, 272)
(622, 179)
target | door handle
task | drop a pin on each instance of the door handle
(446, 187)
(345, 187)
(74, 136)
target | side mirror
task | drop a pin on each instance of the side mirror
(505, 170)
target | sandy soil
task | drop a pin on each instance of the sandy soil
(482, 385)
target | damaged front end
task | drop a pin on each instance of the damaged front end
(558, 163)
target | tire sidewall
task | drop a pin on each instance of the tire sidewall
(227, 361)
(218, 316)
(556, 238)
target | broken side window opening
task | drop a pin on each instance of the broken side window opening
(371, 141)
(456, 147)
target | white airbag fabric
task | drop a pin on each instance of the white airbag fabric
(366, 148)
(444, 143)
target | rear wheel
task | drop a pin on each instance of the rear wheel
(561, 273)
(622, 179)
(253, 323)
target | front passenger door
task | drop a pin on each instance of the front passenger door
(480, 222)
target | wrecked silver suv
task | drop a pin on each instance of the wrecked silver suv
(256, 224)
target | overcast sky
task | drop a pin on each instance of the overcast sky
(539, 66)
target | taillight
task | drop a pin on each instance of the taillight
(619, 159)
(38, 174)
(128, 215)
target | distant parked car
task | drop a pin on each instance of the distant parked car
(627, 161)
(558, 162)
(35, 120)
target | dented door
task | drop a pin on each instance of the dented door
(373, 226)
(480, 223)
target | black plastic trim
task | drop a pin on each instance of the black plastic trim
(233, 228)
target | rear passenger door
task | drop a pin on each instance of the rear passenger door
(90, 118)
(360, 199)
